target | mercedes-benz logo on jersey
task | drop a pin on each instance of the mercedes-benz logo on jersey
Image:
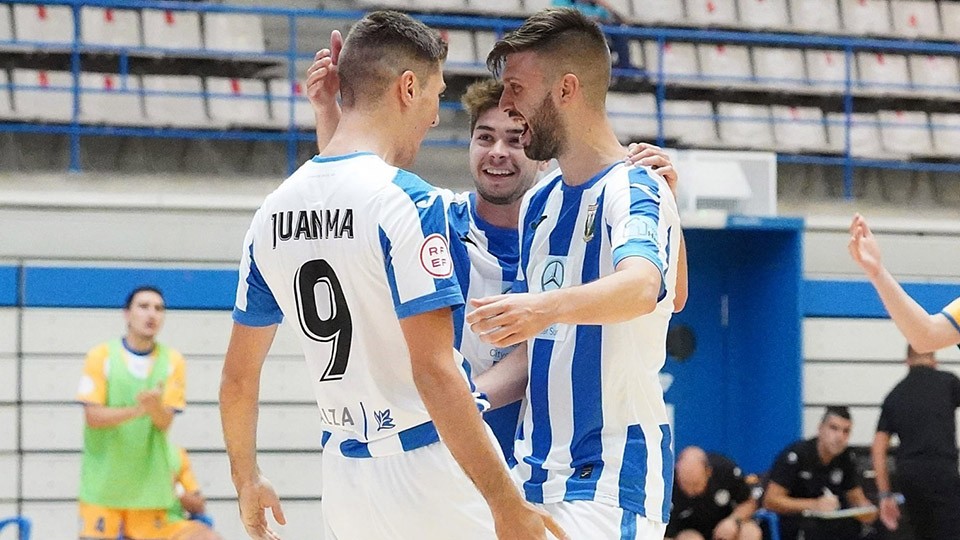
(552, 277)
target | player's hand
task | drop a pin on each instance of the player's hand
(526, 522)
(151, 400)
(864, 248)
(253, 499)
(889, 513)
(657, 159)
(323, 77)
(828, 502)
(508, 319)
(727, 529)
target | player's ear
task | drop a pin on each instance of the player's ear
(569, 86)
(408, 86)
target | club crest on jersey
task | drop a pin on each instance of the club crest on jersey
(435, 256)
(590, 226)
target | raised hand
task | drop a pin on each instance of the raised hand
(864, 248)
(657, 159)
(323, 78)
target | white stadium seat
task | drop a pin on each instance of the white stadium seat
(679, 61)
(866, 17)
(502, 7)
(391, 4)
(280, 92)
(484, 44)
(533, 6)
(48, 98)
(935, 75)
(623, 7)
(461, 51)
(185, 109)
(691, 122)
(745, 126)
(168, 29)
(238, 102)
(41, 23)
(659, 11)
(764, 14)
(6, 107)
(826, 70)
(905, 133)
(234, 32)
(712, 12)
(779, 68)
(725, 65)
(632, 115)
(815, 16)
(946, 133)
(798, 129)
(444, 5)
(882, 73)
(110, 27)
(6, 23)
(104, 99)
(950, 17)
(864, 134)
(916, 18)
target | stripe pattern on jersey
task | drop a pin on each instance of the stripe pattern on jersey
(596, 427)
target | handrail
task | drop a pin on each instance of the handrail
(850, 88)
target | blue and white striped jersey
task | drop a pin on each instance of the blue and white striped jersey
(595, 426)
(346, 247)
(485, 258)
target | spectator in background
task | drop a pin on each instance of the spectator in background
(924, 332)
(818, 475)
(131, 389)
(920, 411)
(189, 505)
(711, 500)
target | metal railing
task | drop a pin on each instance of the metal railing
(659, 81)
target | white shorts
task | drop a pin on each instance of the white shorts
(422, 494)
(592, 520)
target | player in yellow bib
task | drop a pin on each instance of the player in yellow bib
(189, 501)
(131, 389)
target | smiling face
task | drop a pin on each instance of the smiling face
(527, 96)
(501, 171)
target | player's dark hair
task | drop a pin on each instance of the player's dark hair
(140, 289)
(570, 42)
(480, 97)
(840, 411)
(379, 48)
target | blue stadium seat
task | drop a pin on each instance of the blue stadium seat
(772, 522)
(22, 522)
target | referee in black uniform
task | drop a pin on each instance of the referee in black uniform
(920, 411)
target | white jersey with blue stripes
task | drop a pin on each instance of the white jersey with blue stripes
(485, 258)
(345, 248)
(595, 426)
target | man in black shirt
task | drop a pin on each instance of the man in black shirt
(711, 501)
(818, 475)
(920, 410)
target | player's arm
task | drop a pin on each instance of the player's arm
(454, 413)
(682, 287)
(629, 292)
(323, 84)
(925, 332)
(889, 510)
(506, 381)
(193, 502)
(239, 395)
(101, 416)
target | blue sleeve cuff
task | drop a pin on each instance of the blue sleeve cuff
(446, 297)
(636, 248)
(251, 319)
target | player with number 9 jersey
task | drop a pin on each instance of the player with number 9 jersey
(384, 255)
